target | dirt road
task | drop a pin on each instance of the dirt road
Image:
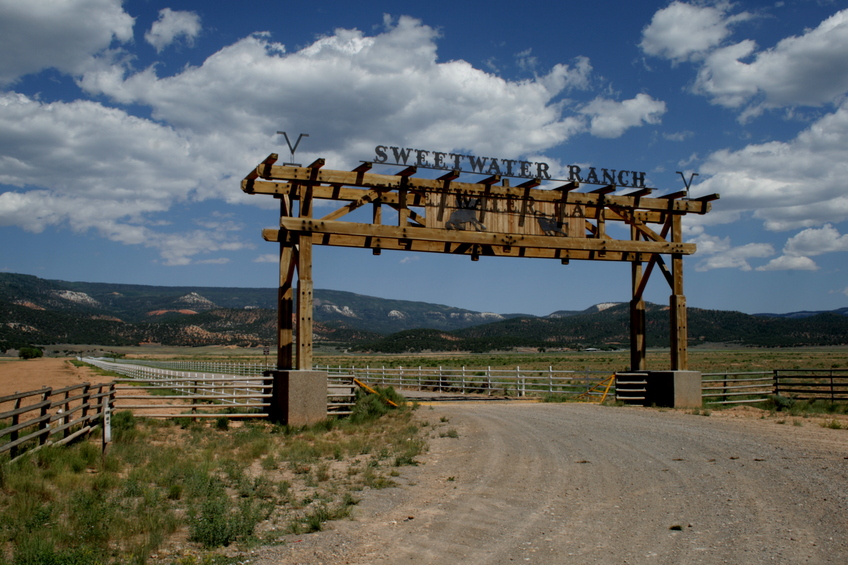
(568, 483)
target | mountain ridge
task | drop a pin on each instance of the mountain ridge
(44, 311)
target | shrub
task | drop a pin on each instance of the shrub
(30, 353)
(369, 407)
(217, 523)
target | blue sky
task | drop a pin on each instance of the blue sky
(125, 128)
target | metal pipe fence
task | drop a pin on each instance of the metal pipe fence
(477, 380)
(812, 384)
(216, 392)
(717, 388)
(737, 388)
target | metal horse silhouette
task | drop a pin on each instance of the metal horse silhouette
(465, 213)
(550, 225)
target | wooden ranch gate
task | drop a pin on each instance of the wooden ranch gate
(488, 218)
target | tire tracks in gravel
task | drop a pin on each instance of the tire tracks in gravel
(568, 483)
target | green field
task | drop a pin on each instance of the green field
(702, 358)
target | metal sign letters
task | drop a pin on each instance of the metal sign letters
(516, 168)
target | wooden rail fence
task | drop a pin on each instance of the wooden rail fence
(51, 416)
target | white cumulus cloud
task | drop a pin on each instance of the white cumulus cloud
(788, 185)
(806, 70)
(812, 242)
(173, 25)
(683, 31)
(72, 36)
(805, 244)
(125, 169)
(790, 263)
(610, 119)
(116, 174)
(720, 254)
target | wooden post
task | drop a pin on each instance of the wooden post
(285, 309)
(13, 436)
(285, 334)
(304, 304)
(638, 345)
(304, 288)
(677, 305)
(44, 424)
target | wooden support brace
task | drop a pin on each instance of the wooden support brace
(247, 185)
(573, 185)
(639, 193)
(609, 189)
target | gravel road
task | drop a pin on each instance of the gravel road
(585, 484)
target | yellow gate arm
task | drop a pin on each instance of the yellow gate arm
(372, 391)
(608, 382)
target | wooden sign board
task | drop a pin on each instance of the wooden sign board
(525, 216)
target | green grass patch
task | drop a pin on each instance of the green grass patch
(162, 481)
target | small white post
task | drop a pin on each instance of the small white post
(107, 425)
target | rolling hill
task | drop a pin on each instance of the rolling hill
(36, 311)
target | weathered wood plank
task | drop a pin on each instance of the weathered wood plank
(377, 244)
(483, 238)
(384, 183)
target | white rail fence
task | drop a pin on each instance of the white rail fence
(483, 380)
(480, 380)
(215, 394)
(717, 388)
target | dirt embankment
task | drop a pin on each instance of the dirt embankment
(33, 374)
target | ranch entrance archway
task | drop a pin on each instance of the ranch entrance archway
(486, 218)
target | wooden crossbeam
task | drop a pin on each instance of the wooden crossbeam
(482, 238)
(254, 174)
(455, 248)
(387, 196)
(392, 182)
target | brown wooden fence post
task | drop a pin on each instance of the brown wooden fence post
(86, 399)
(44, 424)
(14, 435)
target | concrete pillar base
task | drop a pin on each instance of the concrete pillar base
(298, 398)
(673, 389)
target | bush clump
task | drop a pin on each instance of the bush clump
(30, 353)
(370, 406)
